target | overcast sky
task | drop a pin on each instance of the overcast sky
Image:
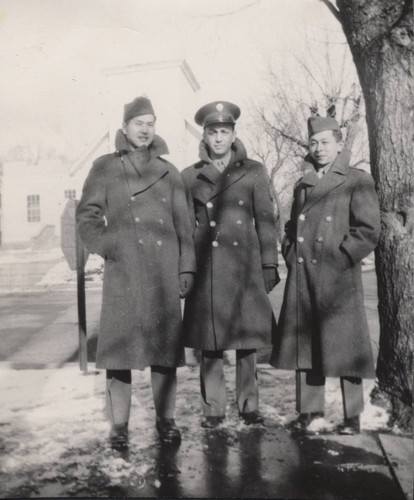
(52, 54)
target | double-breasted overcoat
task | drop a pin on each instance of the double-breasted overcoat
(235, 235)
(335, 223)
(133, 212)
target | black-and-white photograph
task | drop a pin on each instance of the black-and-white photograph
(206, 249)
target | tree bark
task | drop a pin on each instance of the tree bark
(380, 36)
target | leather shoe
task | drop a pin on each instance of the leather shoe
(168, 431)
(350, 426)
(302, 423)
(211, 422)
(118, 436)
(252, 417)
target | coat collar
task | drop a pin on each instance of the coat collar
(218, 182)
(142, 166)
(322, 186)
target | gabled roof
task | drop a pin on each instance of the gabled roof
(89, 153)
(155, 65)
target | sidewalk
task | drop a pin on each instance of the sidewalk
(53, 431)
(53, 442)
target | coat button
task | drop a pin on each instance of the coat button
(209, 205)
(235, 244)
(159, 243)
(302, 217)
(300, 260)
(319, 239)
(213, 223)
(137, 219)
(141, 241)
(301, 239)
(132, 198)
(161, 221)
(328, 218)
(241, 203)
(238, 222)
(314, 261)
(215, 243)
(164, 200)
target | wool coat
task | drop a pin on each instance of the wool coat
(335, 223)
(235, 235)
(133, 212)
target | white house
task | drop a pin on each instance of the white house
(34, 196)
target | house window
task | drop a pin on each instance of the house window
(33, 208)
(70, 194)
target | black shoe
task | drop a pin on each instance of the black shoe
(252, 417)
(302, 423)
(118, 436)
(168, 431)
(211, 422)
(350, 426)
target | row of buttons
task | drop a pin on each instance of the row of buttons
(160, 221)
(163, 200)
(301, 239)
(301, 260)
(328, 218)
(213, 223)
(141, 242)
(216, 243)
(209, 204)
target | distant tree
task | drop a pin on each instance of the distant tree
(314, 85)
(33, 153)
(380, 36)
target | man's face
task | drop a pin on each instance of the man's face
(140, 130)
(219, 139)
(324, 148)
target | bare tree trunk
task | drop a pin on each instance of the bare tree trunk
(280, 219)
(380, 36)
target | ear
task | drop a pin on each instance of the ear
(124, 126)
(234, 135)
(341, 145)
(204, 134)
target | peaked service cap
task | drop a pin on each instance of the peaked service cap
(217, 112)
(318, 124)
(139, 106)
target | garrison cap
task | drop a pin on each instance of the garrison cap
(217, 112)
(318, 124)
(139, 106)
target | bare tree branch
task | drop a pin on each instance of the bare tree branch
(333, 9)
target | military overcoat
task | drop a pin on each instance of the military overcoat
(234, 235)
(335, 223)
(133, 212)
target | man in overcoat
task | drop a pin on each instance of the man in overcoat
(235, 238)
(133, 212)
(323, 330)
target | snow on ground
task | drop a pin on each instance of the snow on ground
(25, 255)
(53, 432)
(60, 273)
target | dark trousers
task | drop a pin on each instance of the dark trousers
(118, 393)
(213, 386)
(310, 393)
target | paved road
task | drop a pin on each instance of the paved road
(41, 329)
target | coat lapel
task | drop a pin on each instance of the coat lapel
(210, 182)
(233, 173)
(334, 178)
(307, 183)
(141, 173)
